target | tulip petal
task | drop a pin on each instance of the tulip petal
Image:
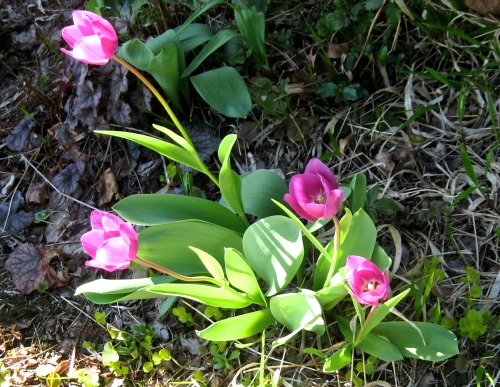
(317, 167)
(71, 35)
(91, 241)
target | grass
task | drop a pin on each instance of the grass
(422, 124)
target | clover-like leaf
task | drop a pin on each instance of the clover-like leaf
(119, 82)
(120, 112)
(87, 97)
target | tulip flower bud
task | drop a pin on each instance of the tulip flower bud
(368, 284)
(112, 242)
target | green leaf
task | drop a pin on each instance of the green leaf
(224, 90)
(171, 151)
(241, 276)
(372, 344)
(168, 245)
(339, 359)
(230, 181)
(103, 291)
(109, 354)
(239, 327)
(194, 35)
(251, 24)
(137, 53)
(297, 311)
(273, 248)
(358, 196)
(165, 69)
(330, 296)
(211, 264)
(156, 209)
(438, 343)
(380, 258)
(221, 38)
(206, 294)
(257, 189)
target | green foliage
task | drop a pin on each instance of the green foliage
(184, 316)
(223, 355)
(422, 287)
(5, 375)
(472, 325)
(273, 99)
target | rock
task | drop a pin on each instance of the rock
(484, 7)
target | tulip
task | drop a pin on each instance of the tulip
(92, 38)
(368, 284)
(112, 242)
(314, 194)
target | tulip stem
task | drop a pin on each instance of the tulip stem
(158, 96)
(171, 114)
(336, 245)
(363, 328)
(177, 275)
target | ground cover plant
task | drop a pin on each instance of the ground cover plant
(371, 121)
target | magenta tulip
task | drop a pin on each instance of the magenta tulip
(92, 38)
(314, 194)
(368, 284)
(112, 243)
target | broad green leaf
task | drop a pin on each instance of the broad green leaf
(211, 264)
(372, 344)
(221, 38)
(238, 327)
(438, 343)
(230, 181)
(382, 311)
(224, 90)
(322, 266)
(358, 196)
(257, 189)
(162, 40)
(103, 291)
(361, 228)
(137, 53)
(241, 276)
(339, 359)
(273, 248)
(206, 294)
(168, 244)
(298, 311)
(155, 209)
(164, 67)
(171, 151)
(330, 296)
(194, 35)
(380, 258)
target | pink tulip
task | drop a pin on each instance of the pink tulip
(314, 194)
(92, 38)
(368, 284)
(112, 242)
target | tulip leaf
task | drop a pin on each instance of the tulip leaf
(104, 291)
(238, 327)
(211, 264)
(224, 90)
(358, 196)
(257, 189)
(172, 151)
(137, 53)
(273, 248)
(168, 244)
(221, 38)
(155, 209)
(241, 276)
(372, 344)
(164, 67)
(230, 181)
(297, 311)
(339, 359)
(251, 24)
(219, 297)
(432, 343)
(194, 35)
(380, 258)
(337, 290)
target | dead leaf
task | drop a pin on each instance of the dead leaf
(484, 7)
(30, 266)
(21, 139)
(67, 180)
(312, 58)
(37, 192)
(336, 50)
(108, 186)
